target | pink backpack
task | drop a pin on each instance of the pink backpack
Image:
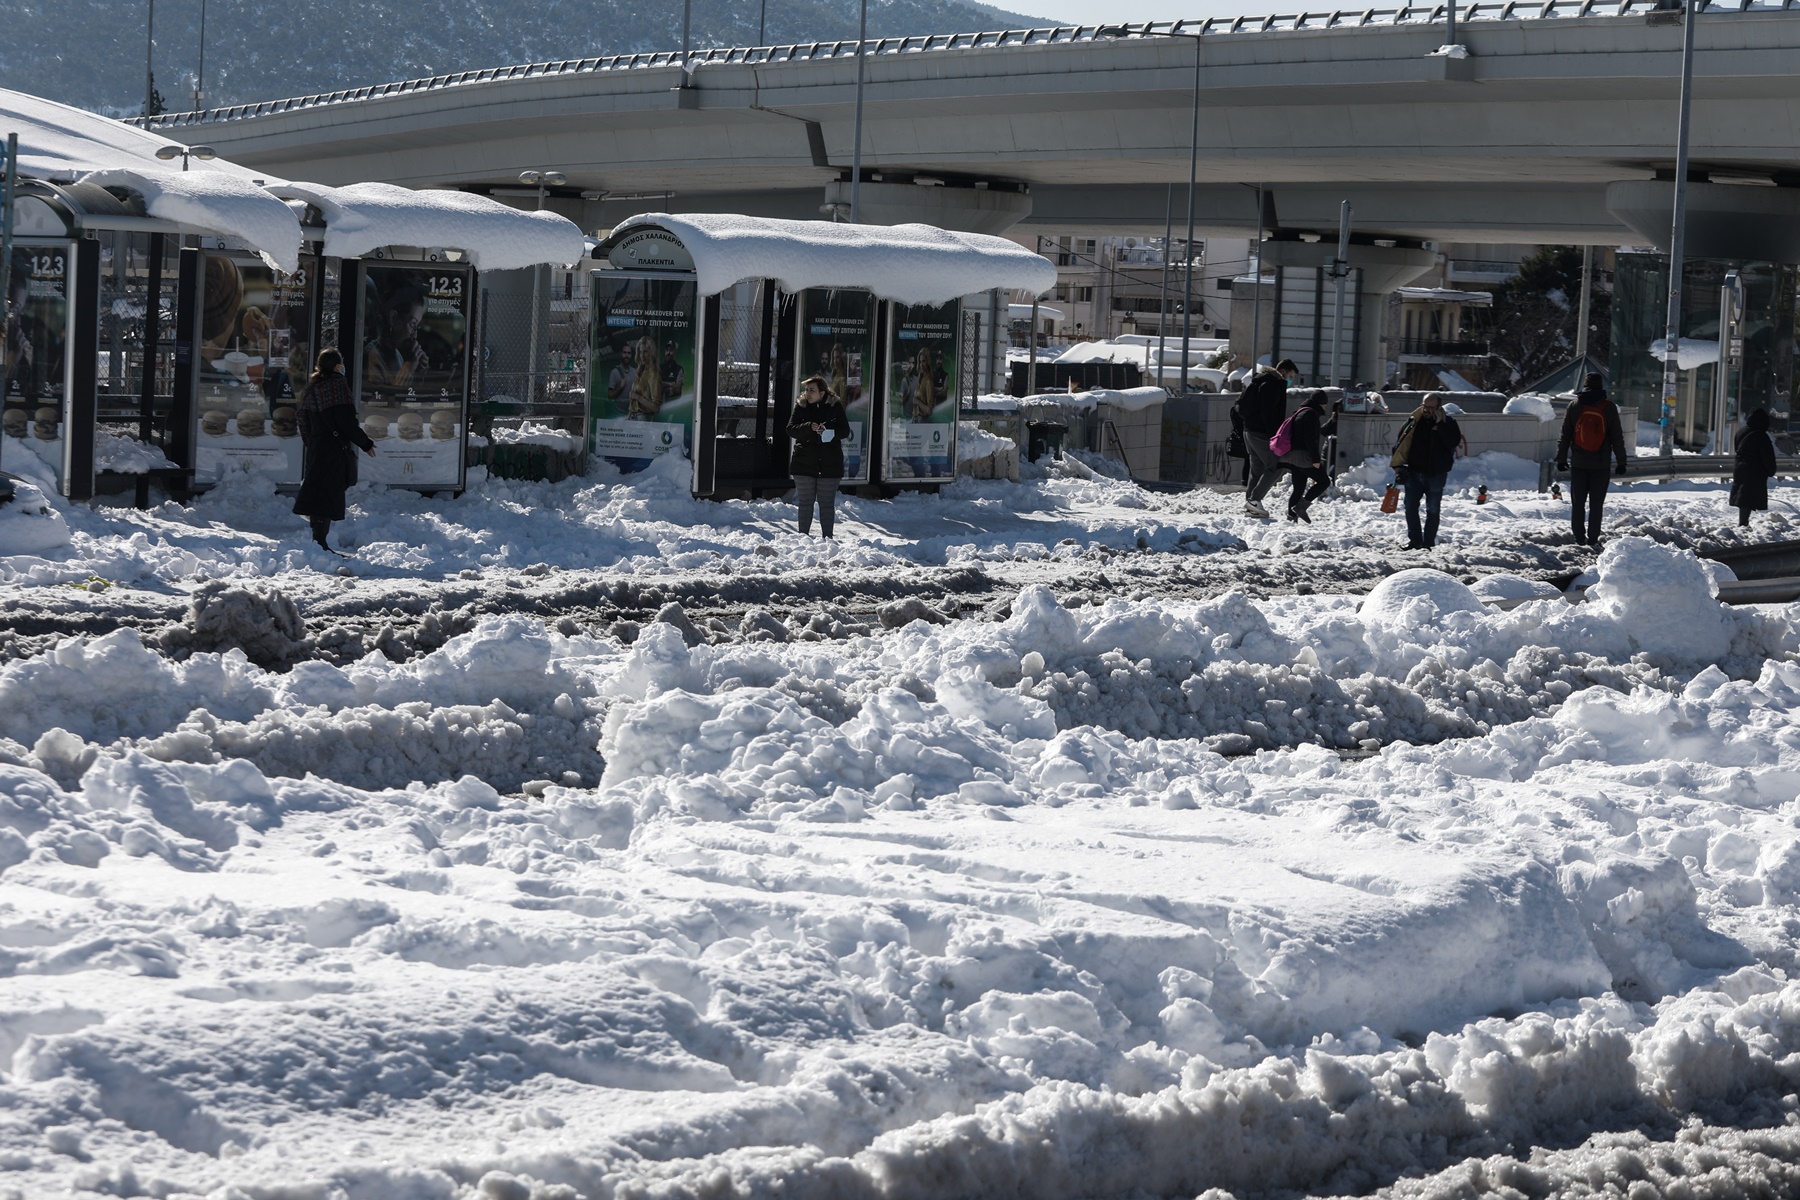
(1283, 439)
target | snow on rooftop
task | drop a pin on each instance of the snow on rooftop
(913, 264)
(60, 144)
(497, 237)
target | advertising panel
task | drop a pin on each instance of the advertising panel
(920, 438)
(643, 367)
(837, 342)
(413, 377)
(35, 369)
(255, 354)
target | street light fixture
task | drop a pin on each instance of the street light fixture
(171, 153)
(1672, 330)
(543, 181)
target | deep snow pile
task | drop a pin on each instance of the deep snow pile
(1097, 899)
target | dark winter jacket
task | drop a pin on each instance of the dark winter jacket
(1435, 440)
(813, 456)
(1755, 464)
(1307, 432)
(1568, 454)
(331, 436)
(1263, 404)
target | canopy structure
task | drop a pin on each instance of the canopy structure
(496, 237)
(911, 264)
(60, 144)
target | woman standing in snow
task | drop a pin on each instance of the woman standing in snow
(1755, 467)
(330, 434)
(818, 428)
(1305, 458)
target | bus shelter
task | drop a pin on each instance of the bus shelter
(702, 324)
(162, 319)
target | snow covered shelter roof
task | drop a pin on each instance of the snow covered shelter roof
(60, 144)
(913, 264)
(497, 237)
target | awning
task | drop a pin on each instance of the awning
(496, 237)
(913, 264)
(60, 144)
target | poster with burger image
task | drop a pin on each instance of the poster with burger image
(837, 343)
(413, 375)
(33, 356)
(920, 441)
(255, 354)
(642, 377)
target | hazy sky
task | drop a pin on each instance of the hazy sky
(1094, 12)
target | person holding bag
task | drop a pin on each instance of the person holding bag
(1422, 460)
(819, 427)
(1300, 449)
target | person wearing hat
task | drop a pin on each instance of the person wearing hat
(330, 435)
(1591, 434)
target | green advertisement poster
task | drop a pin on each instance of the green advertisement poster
(837, 342)
(920, 441)
(255, 355)
(35, 367)
(413, 380)
(642, 367)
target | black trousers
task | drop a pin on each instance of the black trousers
(1309, 484)
(1587, 498)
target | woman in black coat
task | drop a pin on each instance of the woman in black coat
(1305, 458)
(1755, 467)
(818, 428)
(330, 435)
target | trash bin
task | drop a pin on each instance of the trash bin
(1044, 437)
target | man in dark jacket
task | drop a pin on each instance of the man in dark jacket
(1425, 468)
(1586, 462)
(1263, 407)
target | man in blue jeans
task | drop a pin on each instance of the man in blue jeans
(1424, 468)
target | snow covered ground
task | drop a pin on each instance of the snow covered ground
(1048, 840)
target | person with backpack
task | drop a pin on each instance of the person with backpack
(1422, 460)
(1262, 408)
(1755, 467)
(1591, 434)
(1300, 447)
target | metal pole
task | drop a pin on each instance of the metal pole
(1031, 371)
(1162, 315)
(1729, 309)
(1450, 11)
(1587, 295)
(862, 37)
(1187, 304)
(537, 298)
(149, 62)
(1340, 270)
(687, 12)
(1672, 327)
(200, 77)
(762, 24)
(1256, 313)
(9, 183)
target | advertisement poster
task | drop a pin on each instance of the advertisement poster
(255, 355)
(921, 395)
(35, 365)
(414, 373)
(643, 367)
(837, 342)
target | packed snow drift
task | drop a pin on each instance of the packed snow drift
(1052, 839)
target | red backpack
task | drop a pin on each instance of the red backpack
(1590, 429)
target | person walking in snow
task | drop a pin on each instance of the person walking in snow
(1305, 458)
(1591, 434)
(1422, 463)
(1263, 407)
(818, 428)
(1755, 467)
(329, 435)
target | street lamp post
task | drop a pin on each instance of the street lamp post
(150, 63)
(1672, 328)
(543, 181)
(200, 76)
(862, 40)
(171, 153)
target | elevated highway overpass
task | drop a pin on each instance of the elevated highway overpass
(1079, 128)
